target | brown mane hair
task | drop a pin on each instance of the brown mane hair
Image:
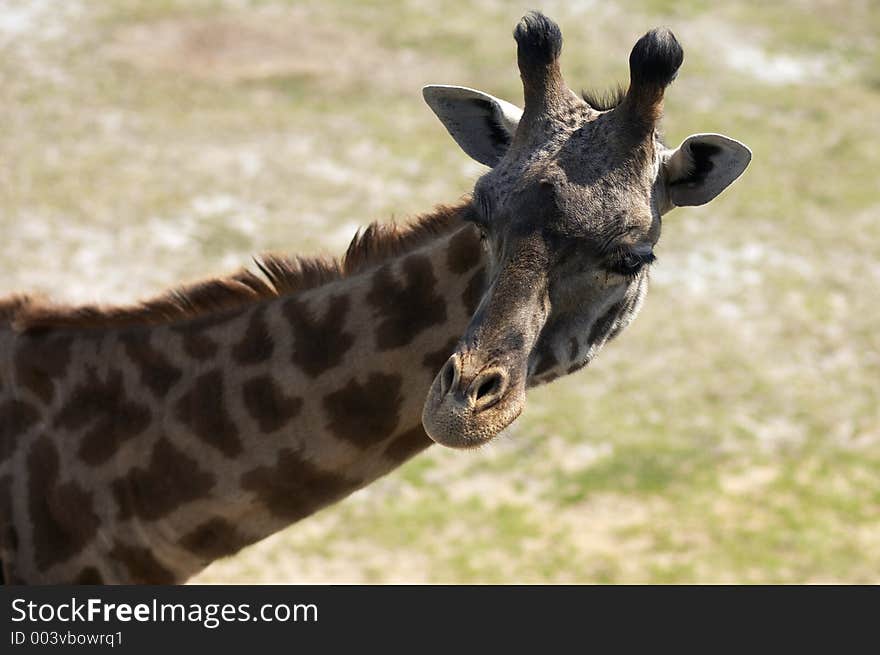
(281, 276)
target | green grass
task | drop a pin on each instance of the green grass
(731, 435)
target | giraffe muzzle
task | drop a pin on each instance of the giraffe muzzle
(469, 404)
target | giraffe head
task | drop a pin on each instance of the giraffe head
(569, 214)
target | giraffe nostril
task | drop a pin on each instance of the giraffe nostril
(449, 375)
(487, 389)
(489, 386)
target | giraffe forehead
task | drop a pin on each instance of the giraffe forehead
(581, 137)
(586, 179)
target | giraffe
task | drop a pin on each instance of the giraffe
(140, 443)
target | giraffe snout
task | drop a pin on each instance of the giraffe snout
(470, 402)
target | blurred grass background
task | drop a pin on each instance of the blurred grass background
(732, 434)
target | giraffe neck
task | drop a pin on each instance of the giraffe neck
(166, 447)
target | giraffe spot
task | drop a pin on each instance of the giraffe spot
(464, 251)
(5, 496)
(406, 445)
(141, 565)
(203, 410)
(63, 519)
(407, 307)
(365, 414)
(215, 538)
(10, 536)
(267, 403)
(171, 479)
(8, 533)
(473, 292)
(195, 342)
(294, 488)
(88, 576)
(39, 362)
(434, 360)
(257, 345)
(112, 417)
(199, 346)
(16, 417)
(157, 373)
(319, 343)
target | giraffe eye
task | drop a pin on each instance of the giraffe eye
(483, 206)
(480, 218)
(629, 263)
(482, 229)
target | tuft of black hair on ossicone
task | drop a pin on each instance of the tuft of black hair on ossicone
(538, 39)
(655, 59)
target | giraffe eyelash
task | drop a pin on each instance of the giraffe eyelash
(480, 217)
(484, 209)
(629, 263)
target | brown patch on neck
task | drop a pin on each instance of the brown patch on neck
(40, 362)
(408, 306)
(214, 539)
(141, 565)
(408, 444)
(365, 414)
(89, 576)
(294, 488)
(465, 251)
(171, 479)
(16, 417)
(473, 292)
(64, 519)
(100, 404)
(202, 409)
(257, 345)
(8, 533)
(281, 276)
(319, 342)
(268, 405)
(435, 360)
(157, 372)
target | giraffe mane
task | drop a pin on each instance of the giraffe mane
(279, 275)
(603, 100)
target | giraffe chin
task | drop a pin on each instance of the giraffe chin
(456, 423)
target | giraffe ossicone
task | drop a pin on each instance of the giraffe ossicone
(139, 444)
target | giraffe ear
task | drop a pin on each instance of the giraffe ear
(702, 167)
(481, 124)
